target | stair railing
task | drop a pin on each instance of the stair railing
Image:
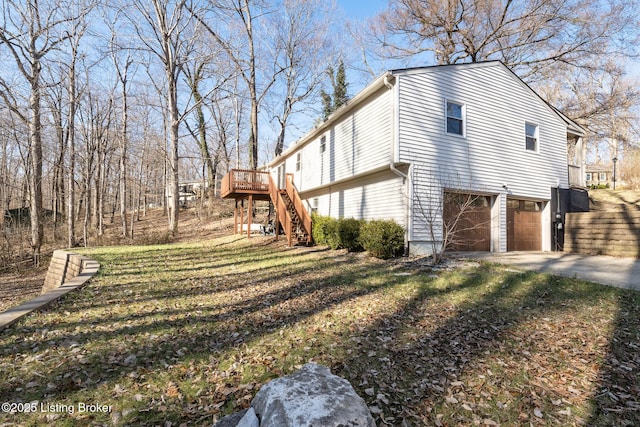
(282, 213)
(304, 216)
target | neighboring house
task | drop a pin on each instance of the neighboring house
(190, 190)
(598, 175)
(414, 135)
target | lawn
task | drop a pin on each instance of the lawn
(183, 334)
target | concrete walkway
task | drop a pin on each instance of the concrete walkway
(620, 272)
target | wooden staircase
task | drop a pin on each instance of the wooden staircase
(291, 215)
(298, 230)
(290, 212)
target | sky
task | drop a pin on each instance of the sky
(361, 9)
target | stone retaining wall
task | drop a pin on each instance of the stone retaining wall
(603, 233)
(66, 273)
(63, 267)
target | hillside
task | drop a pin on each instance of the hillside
(20, 282)
(614, 200)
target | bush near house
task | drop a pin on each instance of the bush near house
(340, 233)
(321, 228)
(382, 239)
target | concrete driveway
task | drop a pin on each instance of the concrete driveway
(620, 272)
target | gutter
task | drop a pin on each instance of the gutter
(361, 96)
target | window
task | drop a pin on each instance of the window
(588, 177)
(531, 132)
(603, 176)
(531, 206)
(298, 161)
(323, 144)
(455, 118)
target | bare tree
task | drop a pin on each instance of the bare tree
(526, 35)
(303, 43)
(30, 30)
(75, 33)
(232, 24)
(445, 207)
(164, 31)
(122, 58)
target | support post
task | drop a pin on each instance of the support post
(235, 218)
(249, 216)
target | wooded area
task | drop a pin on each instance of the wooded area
(106, 107)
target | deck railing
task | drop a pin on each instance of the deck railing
(245, 181)
(576, 177)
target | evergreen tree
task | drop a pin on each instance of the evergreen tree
(331, 103)
(340, 87)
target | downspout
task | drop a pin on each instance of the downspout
(395, 170)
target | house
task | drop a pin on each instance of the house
(597, 175)
(412, 139)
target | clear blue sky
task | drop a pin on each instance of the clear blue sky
(361, 9)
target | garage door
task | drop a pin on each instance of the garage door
(524, 225)
(469, 216)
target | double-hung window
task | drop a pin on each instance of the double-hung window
(298, 161)
(455, 118)
(531, 136)
(323, 144)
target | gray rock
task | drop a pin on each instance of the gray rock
(250, 419)
(231, 420)
(312, 396)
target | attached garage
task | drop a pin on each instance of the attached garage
(524, 225)
(468, 216)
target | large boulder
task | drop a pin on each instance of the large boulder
(312, 396)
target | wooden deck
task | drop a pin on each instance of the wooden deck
(252, 185)
(240, 183)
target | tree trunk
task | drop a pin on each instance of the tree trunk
(172, 184)
(72, 153)
(123, 159)
(35, 181)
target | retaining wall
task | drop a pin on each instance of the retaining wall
(66, 273)
(63, 267)
(603, 233)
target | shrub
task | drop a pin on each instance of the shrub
(382, 239)
(337, 233)
(347, 234)
(320, 226)
(331, 233)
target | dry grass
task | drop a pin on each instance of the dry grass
(614, 200)
(22, 282)
(182, 334)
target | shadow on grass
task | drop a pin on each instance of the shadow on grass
(425, 366)
(617, 399)
(414, 355)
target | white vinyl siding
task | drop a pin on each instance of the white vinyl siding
(377, 196)
(491, 158)
(359, 145)
(359, 142)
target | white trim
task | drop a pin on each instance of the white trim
(463, 108)
(536, 136)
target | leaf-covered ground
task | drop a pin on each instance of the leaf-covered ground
(184, 334)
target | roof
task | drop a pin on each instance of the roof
(389, 77)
